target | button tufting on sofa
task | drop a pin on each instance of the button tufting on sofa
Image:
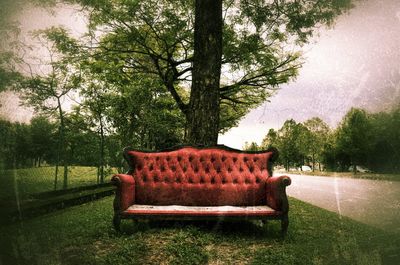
(209, 177)
(212, 180)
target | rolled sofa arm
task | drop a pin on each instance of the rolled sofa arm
(276, 193)
(125, 193)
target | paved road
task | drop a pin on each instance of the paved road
(373, 202)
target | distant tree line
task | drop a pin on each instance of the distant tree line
(93, 133)
(365, 139)
(36, 144)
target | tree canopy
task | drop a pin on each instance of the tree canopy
(139, 61)
(261, 47)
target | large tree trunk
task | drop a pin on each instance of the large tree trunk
(203, 112)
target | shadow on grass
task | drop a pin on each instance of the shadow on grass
(243, 229)
(84, 235)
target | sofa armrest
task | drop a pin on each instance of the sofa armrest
(276, 193)
(125, 193)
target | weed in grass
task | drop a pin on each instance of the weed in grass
(184, 248)
(126, 250)
(274, 255)
(346, 250)
(73, 255)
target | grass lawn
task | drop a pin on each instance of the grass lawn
(40, 179)
(84, 235)
(374, 176)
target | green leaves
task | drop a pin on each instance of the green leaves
(9, 76)
(299, 143)
(138, 56)
(361, 139)
(61, 39)
(353, 136)
(155, 38)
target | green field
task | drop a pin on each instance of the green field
(23, 182)
(84, 235)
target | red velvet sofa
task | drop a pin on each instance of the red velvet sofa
(201, 183)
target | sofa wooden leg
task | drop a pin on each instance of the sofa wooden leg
(284, 224)
(265, 225)
(117, 222)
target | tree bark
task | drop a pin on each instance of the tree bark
(56, 174)
(98, 174)
(63, 149)
(57, 159)
(203, 111)
(313, 162)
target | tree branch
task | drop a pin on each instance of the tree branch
(260, 78)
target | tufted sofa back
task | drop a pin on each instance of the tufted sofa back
(201, 177)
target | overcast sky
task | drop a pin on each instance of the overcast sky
(33, 18)
(356, 63)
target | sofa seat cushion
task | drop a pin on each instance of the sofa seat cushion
(177, 210)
